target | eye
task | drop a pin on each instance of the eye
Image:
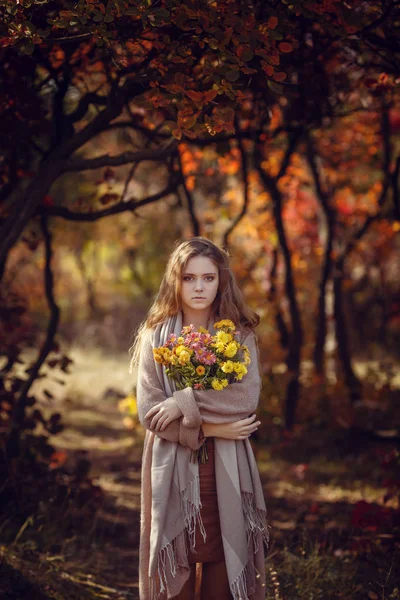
(210, 278)
(187, 277)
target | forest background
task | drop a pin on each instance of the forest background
(270, 127)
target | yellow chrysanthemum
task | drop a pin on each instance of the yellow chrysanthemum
(181, 348)
(200, 370)
(223, 337)
(202, 330)
(184, 357)
(240, 370)
(166, 353)
(219, 346)
(158, 357)
(173, 360)
(217, 384)
(227, 366)
(230, 350)
(246, 354)
(225, 323)
(180, 340)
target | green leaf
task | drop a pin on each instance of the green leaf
(232, 75)
(97, 16)
(43, 33)
(275, 87)
(247, 54)
(29, 48)
(109, 18)
(162, 13)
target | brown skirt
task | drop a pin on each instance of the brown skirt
(212, 549)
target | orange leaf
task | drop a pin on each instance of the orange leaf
(177, 133)
(190, 182)
(210, 95)
(268, 69)
(196, 96)
(189, 133)
(272, 22)
(57, 459)
(279, 76)
(285, 47)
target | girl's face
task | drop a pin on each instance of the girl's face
(199, 285)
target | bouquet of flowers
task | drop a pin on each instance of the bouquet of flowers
(203, 361)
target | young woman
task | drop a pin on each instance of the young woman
(201, 500)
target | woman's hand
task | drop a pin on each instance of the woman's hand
(238, 430)
(163, 413)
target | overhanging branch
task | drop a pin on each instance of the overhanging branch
(131, 205)
(86, 164)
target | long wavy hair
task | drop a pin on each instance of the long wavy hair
(228, 303)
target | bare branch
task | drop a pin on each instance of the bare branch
(245, 174)
(190, 200)
(131, 205)
(85, 164)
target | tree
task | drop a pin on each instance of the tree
(172, 73)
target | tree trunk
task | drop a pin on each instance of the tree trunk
(342, 337)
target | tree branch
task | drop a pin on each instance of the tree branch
(245, 174)
(85, 164)
(131, 205)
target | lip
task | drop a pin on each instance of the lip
(198, 298)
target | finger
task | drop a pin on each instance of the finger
(154, 421)
(161, 421)
(250, 419)
(165, 424)
(152, 411)
(253, 426)
(247, 431)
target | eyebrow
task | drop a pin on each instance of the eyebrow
(195, 273)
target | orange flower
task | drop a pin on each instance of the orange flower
(200, 370)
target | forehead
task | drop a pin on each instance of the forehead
(200, 265)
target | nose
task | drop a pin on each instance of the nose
(198, 286)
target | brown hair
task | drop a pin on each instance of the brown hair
(228, 303)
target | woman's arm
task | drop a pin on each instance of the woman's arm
(238, 430)
(185, 430)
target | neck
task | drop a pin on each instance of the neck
(198, 318)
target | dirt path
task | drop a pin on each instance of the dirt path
(310, 486)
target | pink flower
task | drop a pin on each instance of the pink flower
(208, 358)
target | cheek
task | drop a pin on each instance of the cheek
(215, 286)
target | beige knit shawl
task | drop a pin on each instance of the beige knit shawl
(171, 502)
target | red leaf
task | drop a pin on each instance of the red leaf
(210, 95)
(279, 76)
(196, 96)
(285, 47)
(272, 22)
